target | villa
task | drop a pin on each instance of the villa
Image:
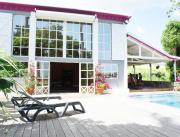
(65, 45)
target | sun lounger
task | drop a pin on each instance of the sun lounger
(35, 104)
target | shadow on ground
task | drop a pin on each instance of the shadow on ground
(68, 126)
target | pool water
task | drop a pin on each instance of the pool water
(169, 99)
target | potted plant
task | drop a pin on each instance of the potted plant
(30, 80)
(100, 81)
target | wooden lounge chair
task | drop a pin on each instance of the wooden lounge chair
(27, 103)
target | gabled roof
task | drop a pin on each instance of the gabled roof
(161, 53)
(29, 8)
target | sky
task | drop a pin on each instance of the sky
(148, 17)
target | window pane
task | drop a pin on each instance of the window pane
(53, 25)
(39, 24)
(24, 51)
(16, 41)
(90, 74)
(38, 42)
(45, 34)
(59, 53)
(16, 51)
(69, 45)
(83, 54)
(83, 74)
(38, 52)
(17, 32)
(59, 44)
(83, 82)
(75, 45)
(70, 26)
(17, 21)
(69, 53)
(75, 53)
(25, 32)
(44, 43)
(45, 52)
(69, 36)
(52, 53)
(83, 66)
(25, 22)
(25, 42)
(45, 24)
(76, 27)
(38, 33)
(59, 35)
(53, 44)
(82, 46)
(89, 28)
(83, 27)
(53, 34)
(90, 66)
(60, 26)
(89, 54)
(90, 82)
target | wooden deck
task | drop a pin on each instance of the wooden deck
(72, 127)
(106, 116)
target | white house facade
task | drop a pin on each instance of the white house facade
(65, 45)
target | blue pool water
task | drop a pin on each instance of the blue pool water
(169, 99)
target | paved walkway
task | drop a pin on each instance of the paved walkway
(106, 116)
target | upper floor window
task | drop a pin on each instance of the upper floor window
(20, 35)
(79, 40)
(104, 41)
(49, 38)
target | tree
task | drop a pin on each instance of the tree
(175, 6)
(170, 40)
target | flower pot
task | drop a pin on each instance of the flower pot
(30, 90)
(99, 90)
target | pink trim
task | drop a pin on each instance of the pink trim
(29, 8)
(146, 45)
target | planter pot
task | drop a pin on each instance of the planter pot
(30, 90)
(99, 90)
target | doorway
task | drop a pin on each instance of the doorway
(64, 77)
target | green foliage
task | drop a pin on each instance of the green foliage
(158, 74)
(171, 37)
(175, 6)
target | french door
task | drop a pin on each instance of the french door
(42, 75)
(86, 78)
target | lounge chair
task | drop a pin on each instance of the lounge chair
(27, 103)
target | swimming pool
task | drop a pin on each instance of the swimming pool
(169, 99)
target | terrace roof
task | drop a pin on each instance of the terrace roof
(29, 8)
(140, 53)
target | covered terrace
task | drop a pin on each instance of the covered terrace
(140, 53)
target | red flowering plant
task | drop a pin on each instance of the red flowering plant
(100, 79)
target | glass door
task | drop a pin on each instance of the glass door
(42, 77)
(86, 83)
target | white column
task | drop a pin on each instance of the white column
(126, 90)
(134, 69)
(95, 45)
(150, 72)
(64, 38)
(32, 36)
(95, 42)
(174, 69)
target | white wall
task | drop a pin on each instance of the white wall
(5, 32)
(119, 42)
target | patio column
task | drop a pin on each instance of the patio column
(174, 69)
(134, 69)
(150, 72)
(32, 36)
